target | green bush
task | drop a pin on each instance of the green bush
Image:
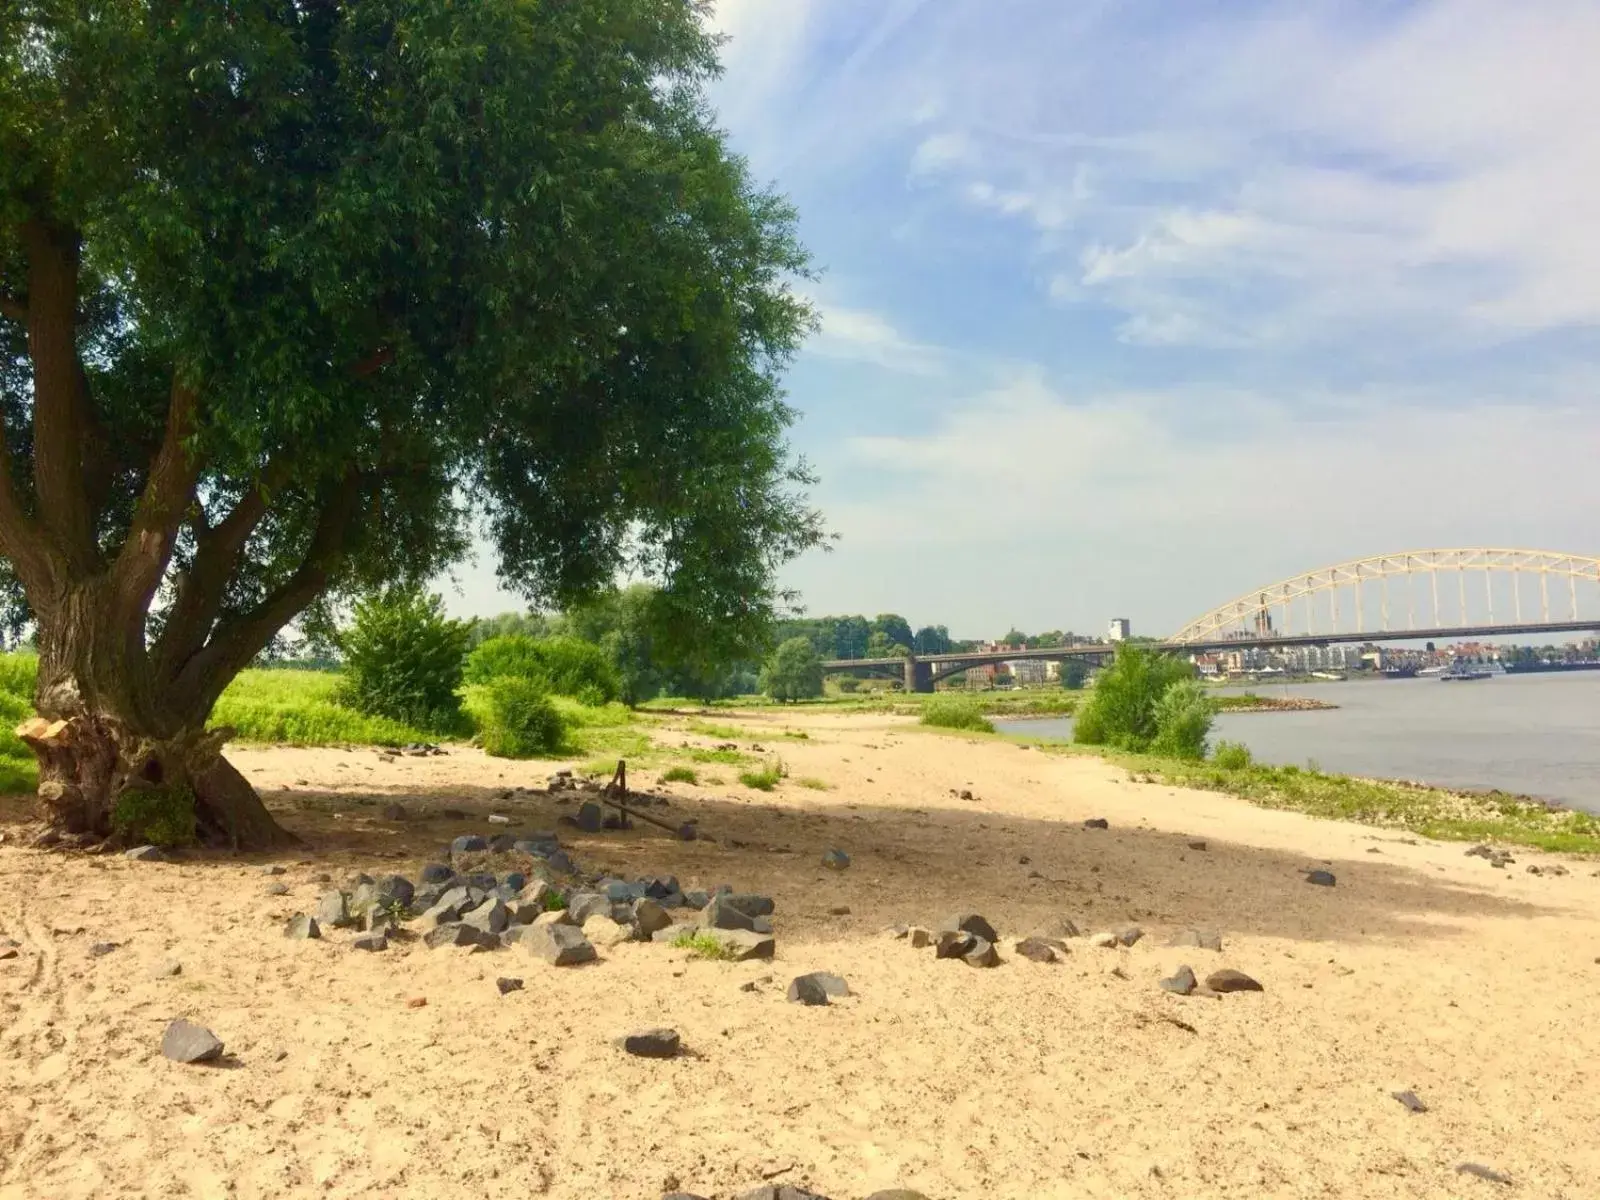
(951, 711)
(680, 775)
(1232, 756)
(521, 721)
(402, 660)
(155, 816)
(1121, 709)
(566, 666)
(1183, 722)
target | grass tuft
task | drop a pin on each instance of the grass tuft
(680, 775)
(765, 779)
(703, 943)
(812, 782)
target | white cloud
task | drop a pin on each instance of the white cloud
(858, 335)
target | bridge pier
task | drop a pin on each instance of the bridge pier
(919, 675)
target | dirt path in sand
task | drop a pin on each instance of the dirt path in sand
(1423, 969)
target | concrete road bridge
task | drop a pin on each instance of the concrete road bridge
(1414, 595)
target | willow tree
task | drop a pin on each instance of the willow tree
(295, 292)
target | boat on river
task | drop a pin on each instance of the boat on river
(1458, 674)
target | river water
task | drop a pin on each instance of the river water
(1536, 735)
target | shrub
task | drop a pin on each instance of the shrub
(156, 816)
(680, 775)
(812, 782)
(794, 672)
(951, 711)
(564, 665)
(1232, 756)
(402, 660)
(1183, 721)
(1121, 709)
(520, 720)
(764, 780)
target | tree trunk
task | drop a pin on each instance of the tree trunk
(119, 761)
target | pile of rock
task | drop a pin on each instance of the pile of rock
(553, 910)
(1496, 856)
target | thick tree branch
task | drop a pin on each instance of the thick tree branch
(167, 497)
(202, 588)
(13, 308)
(60, 402)
(237, 641)
(373, 363)
(21, 539)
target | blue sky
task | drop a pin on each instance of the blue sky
(1131, 307)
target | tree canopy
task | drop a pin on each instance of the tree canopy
(292, 294)
(793, 672)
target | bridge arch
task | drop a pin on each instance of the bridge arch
(1310, 603)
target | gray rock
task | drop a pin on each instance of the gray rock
(146, 854)
(751, 906)
(1061, 928)
(1036, 950)
(982, 954)
(459, 934)
(649, 916)
(1097, 823)
(508, 985)
(1232, 981)
(773, 1191)
(761, 924)
(469, 843)
(483, 881)
(583, 905)
(1321, 878)
(1203, 939)
(516, 881)
(561, 863)
(682, 1196)
(953, 943)
(558, 945)
(185, 1042)
(1411, 1100)
(277, 889)
(919, 937)
(492, 917)
(1197, 844)
(461, 898)
(744, 945)
(971, 923)
(835, 860)
(333, 911)
(555, 916)
(1130, 935)
(720, 914)
(101, 949)
(1479, 1171)
(371, 941)
(808, 990)
(617, 891)
(439, 914)
(660, 888)
(167, 970)
(302, 928)
(673, 932)
(696, 899)
(502, 843)
(653, 1043)
(833, 984)
(839, 910)
(591, 817)
(525, 912)
(1182, 982)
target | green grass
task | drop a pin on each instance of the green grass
(680, 775)
(19, 770)
(297, 708)
(953, 711)
(1425, 811)
(764, 779)
(726, 733)
(815, 784)
(703, 943)
(731, 758)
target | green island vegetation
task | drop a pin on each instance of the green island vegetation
(955, 711)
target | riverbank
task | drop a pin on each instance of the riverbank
(349, 1074)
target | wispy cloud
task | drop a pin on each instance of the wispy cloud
(858, 335)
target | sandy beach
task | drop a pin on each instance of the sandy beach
(1423, 970)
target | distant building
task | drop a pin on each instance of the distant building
(1119, 630)
(1030, 672)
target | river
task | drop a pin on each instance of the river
(1536, 735)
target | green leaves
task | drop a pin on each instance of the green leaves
(794, 672)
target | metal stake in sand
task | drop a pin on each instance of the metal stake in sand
(615, 794)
